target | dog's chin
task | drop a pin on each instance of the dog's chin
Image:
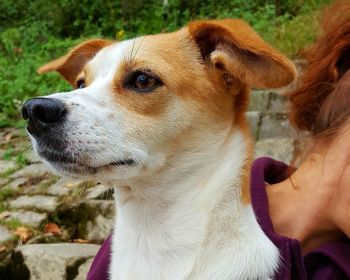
(118, 169)
(103, 173)
(66, 166)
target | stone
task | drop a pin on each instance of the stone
(55, 261)
(83, 270)
(3, 181)
(16, 183)
(254, 119)
(5, 234)
(4, 215)
(11, 133)
(38, 185)
(98, 229)
(32, 157)
(99, 192)
(30, 218)
(101, 225)
(259, 100)
(2, 153)
(39, 202)
(6, 165)
(279, 149)
(32, 170)
(104, 207)
(62, 186)
(278, 103)
(300, 65)
(276, 125)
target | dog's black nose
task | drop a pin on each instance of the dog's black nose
(42, 113)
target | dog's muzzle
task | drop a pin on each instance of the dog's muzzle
(48, 124)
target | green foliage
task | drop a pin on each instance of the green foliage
(8, 172)
(295, 34)
(18, 64)
(42, 188)
(3, 207)
(34, 32)
(5, 193)
(21, 160)
(12, 224)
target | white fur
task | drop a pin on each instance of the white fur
(191, 228)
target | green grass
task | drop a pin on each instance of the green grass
(6, 192)
(42, 188)
(77, 193)
(3, 207)
(8, 172)
(19, 158)
(12, 224)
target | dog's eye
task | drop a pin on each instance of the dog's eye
(143, 82)
(80, 83)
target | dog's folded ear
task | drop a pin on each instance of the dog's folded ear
(70, 65)
(232, 46)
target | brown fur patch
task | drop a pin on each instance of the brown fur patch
(150, 104)
(176, 60)
(235, 44)
(70, 65)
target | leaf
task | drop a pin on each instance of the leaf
(4, 215)
(3, 249)
(52, 228)
(23, 233)
(80, 240)
(8, 136)
(69, 185)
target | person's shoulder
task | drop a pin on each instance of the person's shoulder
(332, 259)
(267, 171)
(270, 170)
(329, 261)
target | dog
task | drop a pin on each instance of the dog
(161, 118)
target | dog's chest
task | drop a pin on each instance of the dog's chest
(228, 251)
(159, 245)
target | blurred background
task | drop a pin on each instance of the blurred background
(49, 226)
(33, 32)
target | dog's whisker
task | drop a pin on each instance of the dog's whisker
(137, 50)
(177, 169)
(132, 49)
(27, 148)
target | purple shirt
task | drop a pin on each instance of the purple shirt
(328, 262)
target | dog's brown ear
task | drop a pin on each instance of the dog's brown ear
(232, 46)
(70, 65)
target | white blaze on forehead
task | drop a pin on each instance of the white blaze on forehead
(106, 62)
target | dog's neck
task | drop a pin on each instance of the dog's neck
(204, 172)
(172, 218)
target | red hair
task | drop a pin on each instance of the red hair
(320, 103)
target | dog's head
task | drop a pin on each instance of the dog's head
(139, 102)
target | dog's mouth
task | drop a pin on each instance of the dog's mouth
(68, 164)
(78, 168)
(122, 162)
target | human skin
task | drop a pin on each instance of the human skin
(313, 205)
